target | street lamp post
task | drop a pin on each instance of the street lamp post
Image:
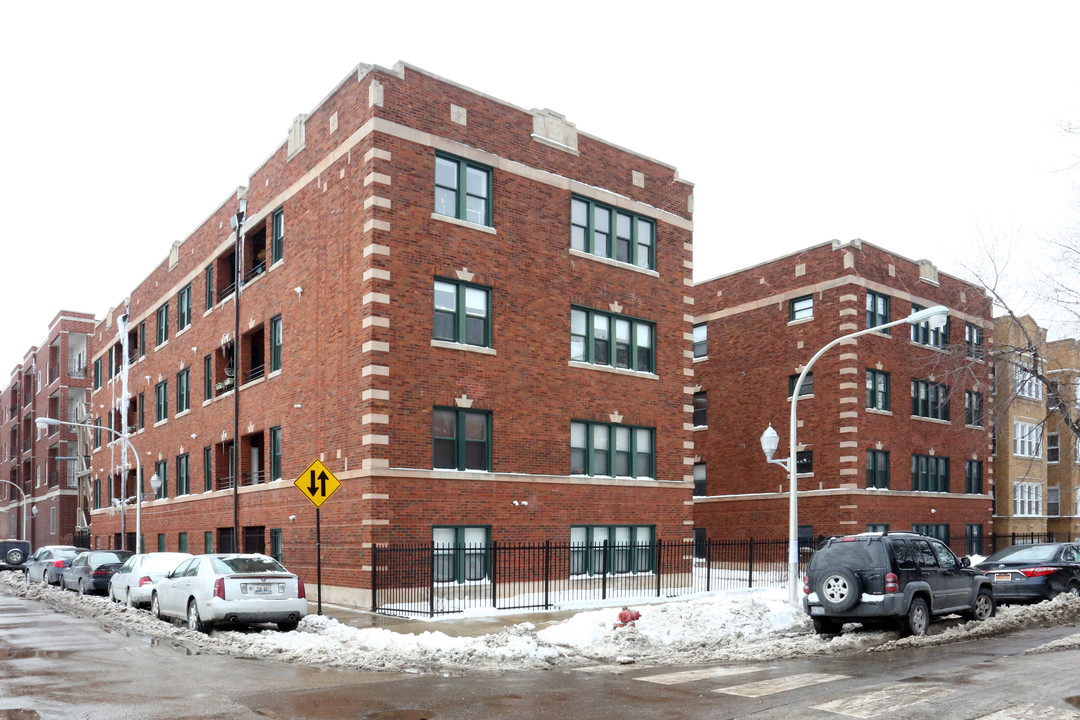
(25, 531)
(937, 316)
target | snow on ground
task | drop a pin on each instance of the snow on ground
(733, 626)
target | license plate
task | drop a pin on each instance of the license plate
(817, 610)
(1003, 577)
(263, 589)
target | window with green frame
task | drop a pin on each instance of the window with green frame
(97, 374)
(611, 450)
(97, 494)
(877, 527)
(608, 232)
(277, 225)
(208, 276)
(923, 334)
(611, 549)
(877, 310)
(807, 387)
(208, 377)
(877, 469)
(208, 541)
(973, 472)
(97, 433)
(163, 324)
(877, 390)
(801, 308)
(183, 476)
(142, 411)
(183, 308)
(461, 439)
(462, 313)
(929, 473)
(929, 400)
(181, 542)
(602, 338)
(161, 542)
(462, 190)
(275, 453)
(277, 547)
(939, 531)
(161, 401)
(161, 469)
(142, 339)
(462, 553)
(208, 472)
(275, 343)
(183, 390)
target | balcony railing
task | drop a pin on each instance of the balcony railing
(254, 272)
(226, 291)
(254, 373)
(72, 476)
(77, 370)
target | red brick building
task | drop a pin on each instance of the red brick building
(51, 382)
(473, 314)
(893, 426)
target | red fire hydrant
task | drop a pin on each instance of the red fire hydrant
(627, 617)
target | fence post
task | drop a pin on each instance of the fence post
(547, 573)
(750, 573)
(603, 572)
(431, 582)
(494, 575)
(708, 564)
(374, 578)
(659, 557)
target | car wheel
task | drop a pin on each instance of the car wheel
(44, 577)
(917, 619)
(827, 626)
(984, 606)
(127, 598)
(82, 588)
(287, 625)
(1073, 589)
(194, 623)
(839, 590)
(15, 556)
(155, 607)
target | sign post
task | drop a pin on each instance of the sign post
(318, 484)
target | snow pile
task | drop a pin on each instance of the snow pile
(736, 626)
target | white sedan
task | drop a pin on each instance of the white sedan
(134, 582)
(233, 588)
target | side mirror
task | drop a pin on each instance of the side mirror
(965, 561)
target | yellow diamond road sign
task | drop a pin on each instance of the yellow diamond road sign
(317, 483)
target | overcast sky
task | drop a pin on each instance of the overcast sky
(918, 126)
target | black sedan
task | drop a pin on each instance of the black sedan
(1030, 573)
(91, 571)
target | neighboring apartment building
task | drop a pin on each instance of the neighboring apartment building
(41, 466)
(893, 426)
(1036, 458)
(475, 315)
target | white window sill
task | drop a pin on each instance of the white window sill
(276, 265)
(464, 223)
(161, 346)
(182, 414)
(800, 321)
(875, 411)
(803, 397)
(181, 332)
(253, 383)
(207, 311)
(274, 374)
(207, 402)
(614, 263)
(928, 347)
(698, 428)
(703, 358)
(974, 427)
(931, 420)
(159, 423)
(609, 369)
(463, 347)
(254, 280)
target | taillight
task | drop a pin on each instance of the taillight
(101, 572)
(1038, 571)
(145, 580)
(892, 584)
(58, 563)
(219, 588)
(300, 589)
(849, 538)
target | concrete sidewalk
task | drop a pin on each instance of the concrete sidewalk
(453, 625)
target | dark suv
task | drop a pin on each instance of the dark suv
(891, 577)
(13, 554)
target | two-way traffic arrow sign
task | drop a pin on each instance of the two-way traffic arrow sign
(317, 483)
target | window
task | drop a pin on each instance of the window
(807, 387)
(208, 377)
(877, 390)
(701, 409)
(461, 439)
(461, 553)
(275, 343)
(183, 308)
(275, 453)
(877, 469)
(142, 411)
(1027, 439)
(701, 341)
(161, 542)
(877, 527)
(142, 339)
(611, 549)
(929, 473)
(183, 390)
(182, 542)
(973, 341)
(462, 190)
(183, 479)
(1027, 499)
(1053, 501)
(929, 400)
(208, 274)
(162, 401)
(1026, 384)
(602, 338)
(973, 472)
(462, 313)
(97, 374)
(973, 408)
(923, 334)
(97, 433)
(162, 325)
(939, 531)
(601, 230)
(277, 223)
(877, 310)
(97, 496)
(973, 539)
(208, 541)
(804, 462)
(208, 476)
(611, 450)
(161, 469)
(801, 308)
(1053, 447)
(277, 547)
(700, 488)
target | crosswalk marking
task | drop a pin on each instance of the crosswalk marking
(613, 669)
(877, 702)
(1031, 711)
(702, 674)
(778, 685)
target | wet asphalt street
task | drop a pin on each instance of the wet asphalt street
(56, 666)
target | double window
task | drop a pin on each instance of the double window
(611, 549)
(1027, 439)
(161, 404)
(973, 408)
(462, 313)
(462, 190)
(461, 439)
(930, 473)
(877, 310)
(973, 471)
(801, 308)
(601, 230)
(1027, 499)
(929, 400)
(611, 450)
(923, 334)
(604, 338)
(973, 341)
(807, 387)
(461, 553)
(877, 469)
(1026, 383)
(877, 390)
(162, 324)
(183, 390)
(183, 308)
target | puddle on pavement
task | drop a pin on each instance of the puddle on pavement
(19, 714)
(179, 647)
(400, 715)
(17, 653)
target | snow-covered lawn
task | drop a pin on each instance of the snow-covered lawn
(733, 626)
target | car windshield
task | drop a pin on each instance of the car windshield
(64, 554)
(162, 563)
(249, 564)
(107, 558)
(1025, 554)
(855, 553)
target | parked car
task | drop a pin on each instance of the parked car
(13, 554)
(900, 578)
(233, 588)
(48, 561)
(134, 582)
(1030, 573)
(90, 571)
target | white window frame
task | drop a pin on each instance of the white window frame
(1027, 439)
(1025, 383)
(1053, 496)
(1027, 499)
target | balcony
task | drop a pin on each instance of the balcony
(52, 372)
(77, 369)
